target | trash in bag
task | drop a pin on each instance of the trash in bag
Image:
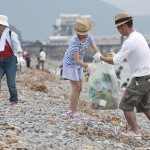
(103, 86)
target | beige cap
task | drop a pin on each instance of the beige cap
(82, 26)
(122, 18)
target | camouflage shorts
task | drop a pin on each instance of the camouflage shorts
(137, 95)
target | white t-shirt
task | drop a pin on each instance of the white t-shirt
(136, 50)
(42, 55)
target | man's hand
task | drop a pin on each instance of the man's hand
(97, 57)
(111, 54)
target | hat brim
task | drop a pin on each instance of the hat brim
(116, 25)
(83, 33)
(4, 23)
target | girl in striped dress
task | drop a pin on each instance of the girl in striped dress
(73, 61)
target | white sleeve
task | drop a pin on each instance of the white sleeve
(123, 53)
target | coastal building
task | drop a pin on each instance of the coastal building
(65, 22)
(63, 33)
(56, 45)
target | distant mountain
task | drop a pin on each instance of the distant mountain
(35, 19)
(142, 24)
(102, 13)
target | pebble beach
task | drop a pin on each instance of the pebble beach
(39, 120)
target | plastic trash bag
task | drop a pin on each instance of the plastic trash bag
(103, 86)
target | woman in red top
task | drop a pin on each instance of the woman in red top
(10, 55)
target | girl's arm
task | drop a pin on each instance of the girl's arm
(95, 48)
(78, 61)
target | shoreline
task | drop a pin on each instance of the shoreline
(39, 120)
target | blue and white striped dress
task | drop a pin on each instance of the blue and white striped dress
(71, 70)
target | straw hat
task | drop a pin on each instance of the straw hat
(4, 20)
(122, 18)
(82, 26)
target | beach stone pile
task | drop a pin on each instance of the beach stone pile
(39, 120)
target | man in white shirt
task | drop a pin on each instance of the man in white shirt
(42, 58)
(136, 50)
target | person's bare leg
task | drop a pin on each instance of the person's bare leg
(80, 82)
(131, 119)
(147, 114)
(76, 89)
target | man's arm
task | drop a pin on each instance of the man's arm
(108, 60)
(98, 57)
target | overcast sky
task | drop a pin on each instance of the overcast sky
(35, 18)
(135, 7)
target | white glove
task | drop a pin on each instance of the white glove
(89, 66)
(21, 61)
(97, 57)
